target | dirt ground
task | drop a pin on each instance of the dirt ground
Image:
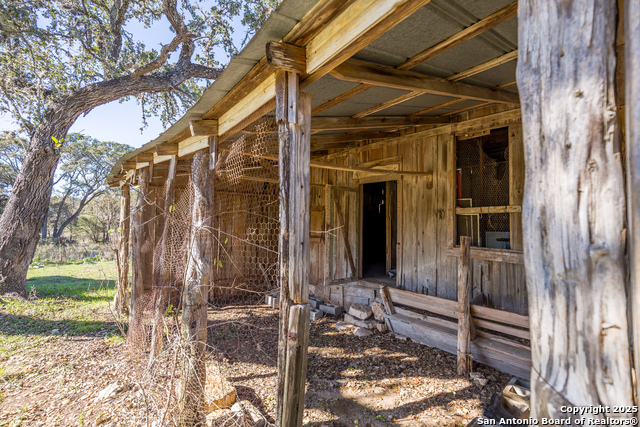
(60, 377)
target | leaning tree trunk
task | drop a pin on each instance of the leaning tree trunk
(28, 206)
(194, 295)
(574, 206)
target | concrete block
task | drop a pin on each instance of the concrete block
(315, 314)
(360, 311)
(331, 309)
(273, 300)
(314, 302)
(378, 311)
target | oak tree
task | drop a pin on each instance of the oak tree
(59, 59)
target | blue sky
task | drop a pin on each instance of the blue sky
(121, 122)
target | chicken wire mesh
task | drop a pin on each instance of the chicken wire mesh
(483, 180)
(181, 374)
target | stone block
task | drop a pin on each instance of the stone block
(360, 311)
(367, 324)
(378, 311)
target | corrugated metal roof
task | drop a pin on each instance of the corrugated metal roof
(430, 25)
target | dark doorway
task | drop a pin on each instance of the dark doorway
(379, 231)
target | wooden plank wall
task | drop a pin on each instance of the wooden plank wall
(426, 234)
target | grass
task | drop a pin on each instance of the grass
(64, 299)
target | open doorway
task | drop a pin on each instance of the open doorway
(379, 231)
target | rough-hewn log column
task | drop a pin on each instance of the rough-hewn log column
(293, 113)
(632, 85)
(574, 206)
(162, 271)
(465, 325)
(194, 294)
(141, 245)
(122, 252)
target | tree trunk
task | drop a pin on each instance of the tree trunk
(574, 207)
(122, 253)
(26, 211)
(194, 295)
(28, 205)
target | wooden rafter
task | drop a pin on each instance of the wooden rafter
(473, 107)
(464, 35)
(507, 57)
(338, 123)
(435, 107)
(373, 74)
(341, 98)
(387, 104)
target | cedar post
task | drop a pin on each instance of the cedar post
(632, 85)
(465, 324)
(195, 293)
(162, 272)
(141, 247)
(293, 115)
(574, 207)
(122, 252)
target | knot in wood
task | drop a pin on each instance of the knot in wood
(292, 336)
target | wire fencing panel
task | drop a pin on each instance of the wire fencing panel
(244, 235)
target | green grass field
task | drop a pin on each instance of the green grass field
(63, 299)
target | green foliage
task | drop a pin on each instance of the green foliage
(52, 49)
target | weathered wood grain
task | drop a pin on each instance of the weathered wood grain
(574, 207)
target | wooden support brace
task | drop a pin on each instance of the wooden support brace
(386, 299)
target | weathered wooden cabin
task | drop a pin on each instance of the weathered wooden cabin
(350, 148)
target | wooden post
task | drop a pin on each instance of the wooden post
(293, 114)
(195, 293)
(574, 207)
(632, 85)
(161, 274)
(141, 249)
(465, 324)
(386, 299)
(122, 252)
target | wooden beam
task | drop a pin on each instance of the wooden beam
(332, 166)
(161, 159)
(462, 110)
(339, 123)
(364, 72)
(325, 139)
(203, 127)
(360, 24)
(341, 98)
(387, 104)
(263, 94)
(172, 167)
(192, 144)
(464, 35)
(488, 210)
(507, 57)
(144, 157)
(498, 255)
(286, 57)
(167, 149)
(632, 121)
(435, 107)
(321, 146)
(323, 12)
